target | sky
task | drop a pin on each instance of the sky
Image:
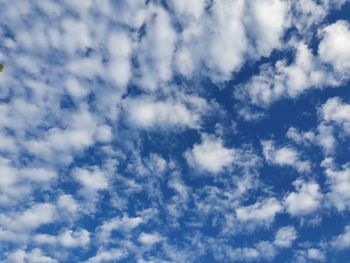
(175, 131)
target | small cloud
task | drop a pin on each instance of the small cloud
(210, 155)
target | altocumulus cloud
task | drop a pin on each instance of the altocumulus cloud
(174, 131)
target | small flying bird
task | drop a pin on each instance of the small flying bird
(2, 67)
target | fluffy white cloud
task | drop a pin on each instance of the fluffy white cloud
(343, 240)
(123, 224)
(210, 155)
(282, 80)
(92, 180)
(284, 156)
(339, 184)
(37, 215)
(120, 48)
(308, 13)
(77, 65)
(307, 71)
(33, 256)
(334, 123)
(227, 42)
(107, 255)
(310, 255)
(132, 14)
(71, 238)
(149, 239)
(242, 30)
(285, 236)
(67, 239)
(323, 136)
(334, 46)
(305, 200)
(267, 21)
(59, 145)
(156, 49)
(316, 254)
(17, 183)
(75, 88)
(262, 212)
(17, 226)
(67, 204)
(262, 250)
(335, 111)
(300, 137)
(76, 35)
(147, 113)
(191, 10)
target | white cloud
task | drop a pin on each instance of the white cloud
(210, 155)
(73, 239)
(107, 256)
(149, 239)
(305, 200)
(17, 226)
(316, 254)
(123, 224)
(67, 204)
(221, 49)
(67, 239)
(191, 10)
(33, 256)
(335, 111)
(35, 216)
(267, 21)
(227, 41)
(284, 156)
(120, 48)
(285, 237)
(339, 184)
(75, 88)
(92, 67)
(343, 240)
(51, 8)
(323, 136)
(17, 256)
(76, 35)
(310, 255)
(67, 78)
(262, 212)
(58, 145)
(79, 7)
(132, 14)
(38, 174)
(262, 250)
(17, 183)
(334, 46)
(334, 123)
(157, 163)
(179, 187)
(308, 13)
(246, 253)
(92, 180)
(283, 80)
(300, 137)
(156, 49)
(147, 113)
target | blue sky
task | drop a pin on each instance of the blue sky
(175, 131)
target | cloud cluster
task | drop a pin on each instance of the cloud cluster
(122, 137)
(327, 68)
